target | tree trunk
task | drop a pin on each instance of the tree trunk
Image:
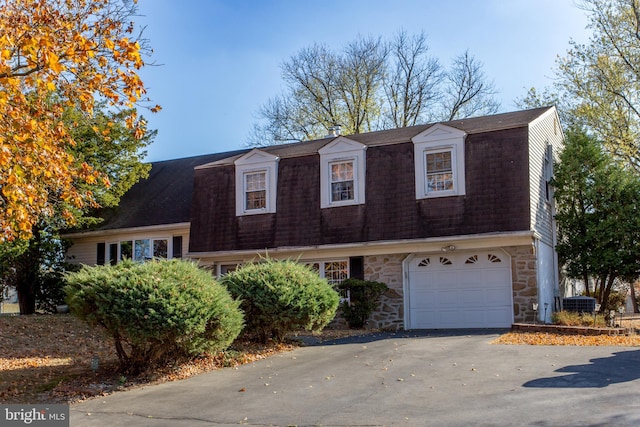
(585, 277)
(634, 301)
(605, 290)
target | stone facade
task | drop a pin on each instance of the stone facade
(388, 270)
(525, 282)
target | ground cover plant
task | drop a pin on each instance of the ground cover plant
(570, 318)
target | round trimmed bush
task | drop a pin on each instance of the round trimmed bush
(155, 311)
(282, 296)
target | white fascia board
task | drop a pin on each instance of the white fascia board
(145, 229)
(432, 244)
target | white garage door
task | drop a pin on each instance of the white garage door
(460, 290)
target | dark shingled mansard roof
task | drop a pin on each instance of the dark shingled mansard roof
(165, 196)
(162, 198)
(393, 136)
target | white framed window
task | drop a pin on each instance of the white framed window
(342, 173)
(256, 183)
(439, 162)
(440, 170)
(255, 190)
(342, 181)
(140, 249)
(335, 271)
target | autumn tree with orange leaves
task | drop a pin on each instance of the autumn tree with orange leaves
(57, 55)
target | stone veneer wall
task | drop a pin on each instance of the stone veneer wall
(525, 282)
(388, 269)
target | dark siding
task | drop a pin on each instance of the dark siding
(497, 166)
(255, 231)
(496, 200)
(390, 189)
(213, 224)
(298, 201)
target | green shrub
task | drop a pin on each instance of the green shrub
(281, 296)
(50, 293)
(364, 297)
(155, 311)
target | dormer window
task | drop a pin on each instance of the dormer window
(342, 184)
(439, 171)
(342, 173)
(439, 157)
(255, 190)
(256, 181)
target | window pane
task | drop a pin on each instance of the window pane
(440, 182)
(255, 181)
(341, 171)
(227, 268)
(315, 266)
(142, 250)
(256, 200)
(342, 191)
(342, 181)
(438, 162)
(160, 248)
(439, 172)
(255, 190)
(126, 250)
(336, 271)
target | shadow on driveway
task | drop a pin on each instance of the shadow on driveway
(619, 368)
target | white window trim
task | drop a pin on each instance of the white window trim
(436, 139)
(252, 162)
(133, 243)
(342, 150)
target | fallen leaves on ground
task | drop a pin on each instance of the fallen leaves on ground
(543, 338)
(47, 358)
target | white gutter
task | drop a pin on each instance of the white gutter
(145, 229)
(431, 244)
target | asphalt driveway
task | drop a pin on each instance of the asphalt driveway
(403, 379)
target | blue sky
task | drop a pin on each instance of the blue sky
(221, 58)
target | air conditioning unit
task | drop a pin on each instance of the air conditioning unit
(579, 304)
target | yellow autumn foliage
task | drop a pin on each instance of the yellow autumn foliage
(55, 55)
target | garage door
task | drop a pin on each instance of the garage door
(460, 290)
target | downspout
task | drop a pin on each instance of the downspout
(405, 290)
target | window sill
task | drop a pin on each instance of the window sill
(436, 195)
(340, 204)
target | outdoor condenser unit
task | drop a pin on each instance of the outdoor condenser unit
(580, 304)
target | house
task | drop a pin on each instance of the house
(455, 217)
